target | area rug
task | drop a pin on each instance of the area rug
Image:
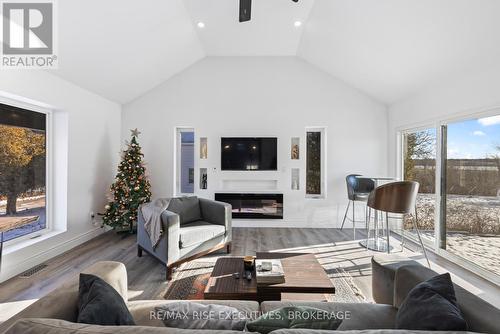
(190, 280)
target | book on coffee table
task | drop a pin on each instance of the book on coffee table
(269, 271)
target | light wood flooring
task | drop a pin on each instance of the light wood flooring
(146, 275)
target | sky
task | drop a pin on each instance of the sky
(474, 139)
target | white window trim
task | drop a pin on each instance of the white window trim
(437, 123)
(324, 159)
(37, 236)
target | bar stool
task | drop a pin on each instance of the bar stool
(358, 189)
(398, 198)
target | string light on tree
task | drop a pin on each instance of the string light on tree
(130, 189)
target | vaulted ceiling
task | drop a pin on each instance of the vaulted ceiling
(389, 49)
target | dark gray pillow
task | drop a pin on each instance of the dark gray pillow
(431, 305)
(100, 304)
(192, 315)
(294, 317)
(188, 208)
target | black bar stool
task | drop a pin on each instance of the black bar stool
(358, 189)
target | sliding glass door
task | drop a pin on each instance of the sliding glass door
(463, 222)
(470, 194)
(419, 164)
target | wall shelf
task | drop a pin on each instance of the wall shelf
(249, 184)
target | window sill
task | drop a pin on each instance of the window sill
(16, 246)
(315, 197)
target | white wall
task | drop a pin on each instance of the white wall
(472, 92)
(87, 134)
(262, 96)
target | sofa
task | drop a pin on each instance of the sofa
(57, 312)
(192, 227)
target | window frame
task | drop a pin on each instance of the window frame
(49, 166)
(437, 124)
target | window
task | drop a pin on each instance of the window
(22, 170)
(315, 160)
(419, 164)
(470, 196)
(185, 161)
(460, 215)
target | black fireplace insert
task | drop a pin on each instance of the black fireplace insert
(254, 206)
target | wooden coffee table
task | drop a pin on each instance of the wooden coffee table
(303, 274)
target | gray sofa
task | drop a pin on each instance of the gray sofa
(57, 312)
(192, 227)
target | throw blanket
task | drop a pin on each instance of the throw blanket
(152, 218)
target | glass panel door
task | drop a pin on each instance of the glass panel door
(419, 164)
(471, 191)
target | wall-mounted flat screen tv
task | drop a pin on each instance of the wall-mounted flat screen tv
(249, 153)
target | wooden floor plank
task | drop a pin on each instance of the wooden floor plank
(146, 275)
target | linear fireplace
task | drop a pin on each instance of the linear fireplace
(255, 206)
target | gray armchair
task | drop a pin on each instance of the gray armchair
(192, 227)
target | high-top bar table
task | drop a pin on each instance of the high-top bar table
(375, 243)
(8, 223)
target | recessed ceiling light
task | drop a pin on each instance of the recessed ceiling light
(201, 25)
(297, 24)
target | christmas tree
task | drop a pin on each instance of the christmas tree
(130, 190)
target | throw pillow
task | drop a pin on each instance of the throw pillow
(192, 315)
(100, 304)
(431, 305)
(290, 317)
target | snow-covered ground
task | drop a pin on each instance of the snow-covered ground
(473, 227)
(32, 206)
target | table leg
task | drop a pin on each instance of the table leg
(387, 232)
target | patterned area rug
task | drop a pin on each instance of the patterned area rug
(190, 280)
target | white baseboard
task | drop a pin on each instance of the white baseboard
(40, 257)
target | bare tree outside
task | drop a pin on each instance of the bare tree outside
(22, 177)
(419, 164)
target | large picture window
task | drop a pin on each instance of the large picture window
(22, 170)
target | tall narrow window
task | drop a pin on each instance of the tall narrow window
(419, 164)
(315, 185)
(22, 171)
(470, 217)
(185, 161)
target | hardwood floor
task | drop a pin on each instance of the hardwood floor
(146, 275)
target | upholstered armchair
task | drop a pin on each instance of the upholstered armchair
(191, 227)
